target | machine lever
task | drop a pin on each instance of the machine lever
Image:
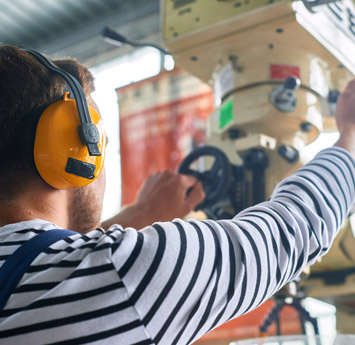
(283, 96)
(256, 160)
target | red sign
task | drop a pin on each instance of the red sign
(161, 120)
(281, 72)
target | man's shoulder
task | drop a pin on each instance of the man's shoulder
(12, 236)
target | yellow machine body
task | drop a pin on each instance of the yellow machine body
(243, 49)
(238, 47)
(57, 140)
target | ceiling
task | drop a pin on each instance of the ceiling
(72, 27)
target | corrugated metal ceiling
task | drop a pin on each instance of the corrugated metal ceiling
(72, 27)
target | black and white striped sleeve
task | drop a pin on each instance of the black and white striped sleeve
(186, 278)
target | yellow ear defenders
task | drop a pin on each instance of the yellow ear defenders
(70, 142)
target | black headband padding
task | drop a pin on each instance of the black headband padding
(88, 132)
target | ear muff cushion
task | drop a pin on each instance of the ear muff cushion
(60, 157)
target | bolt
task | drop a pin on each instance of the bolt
(306, 127)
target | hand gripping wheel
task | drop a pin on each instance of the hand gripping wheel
(215, 181)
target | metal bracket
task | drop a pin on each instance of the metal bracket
(310, 5)
(255, 141)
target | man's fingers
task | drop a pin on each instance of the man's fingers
(164, 175)
(350, 88)
(187, 181)
(161, 176)
(196, 195)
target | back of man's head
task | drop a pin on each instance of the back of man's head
(26, 89)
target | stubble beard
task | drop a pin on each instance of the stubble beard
(85, 211)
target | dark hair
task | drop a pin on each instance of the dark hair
(26, 89)
(79, 72)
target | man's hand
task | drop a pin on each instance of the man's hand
(163, 197)
(169, 195)
(345, 118)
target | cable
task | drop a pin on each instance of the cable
(113, 37)
(262, 83)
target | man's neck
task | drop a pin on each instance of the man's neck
(40, 202)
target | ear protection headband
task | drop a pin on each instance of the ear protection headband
(70, 142)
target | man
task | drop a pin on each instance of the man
(168, 283)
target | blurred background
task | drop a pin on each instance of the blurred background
(73, 28)
(156, 110)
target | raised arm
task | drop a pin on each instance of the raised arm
(345, 117)
(185, 278)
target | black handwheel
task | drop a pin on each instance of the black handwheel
(215, 181)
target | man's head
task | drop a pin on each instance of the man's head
(26, 89)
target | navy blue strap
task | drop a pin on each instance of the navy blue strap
(16, 265)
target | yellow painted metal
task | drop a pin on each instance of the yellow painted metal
(232, 45)
(183, 17)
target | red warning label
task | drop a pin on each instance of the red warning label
(284, 71)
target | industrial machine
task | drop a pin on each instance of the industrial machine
(276, 67)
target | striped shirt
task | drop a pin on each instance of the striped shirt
(172, 282)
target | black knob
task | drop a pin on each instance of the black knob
(291, 83)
